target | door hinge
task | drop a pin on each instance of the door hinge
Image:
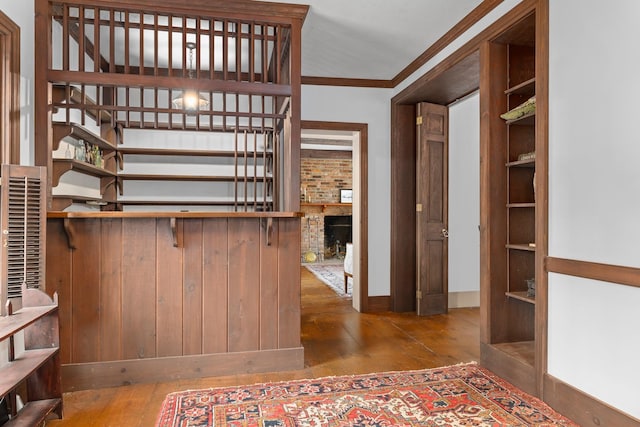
(419, 120)
(418, 294)
(418, 207)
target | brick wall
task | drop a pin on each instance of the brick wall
(323, 178)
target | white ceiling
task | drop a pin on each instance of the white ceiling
(373, 39)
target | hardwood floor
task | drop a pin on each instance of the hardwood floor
(337, 341)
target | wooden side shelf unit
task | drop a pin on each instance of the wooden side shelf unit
(34, 374)
(509, 147)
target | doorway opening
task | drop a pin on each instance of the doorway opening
(356, 134)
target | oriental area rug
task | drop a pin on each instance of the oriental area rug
(332, 275)
(461, 395)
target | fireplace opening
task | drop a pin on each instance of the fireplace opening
(337, 233)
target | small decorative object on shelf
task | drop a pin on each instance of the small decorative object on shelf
(527, 156)
(531, 287)
(527, 107)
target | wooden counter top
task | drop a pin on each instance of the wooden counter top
(121, 214)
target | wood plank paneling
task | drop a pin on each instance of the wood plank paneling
(244, 284)
(138, 288)
(289, 283)
(110, 289)
(169, 296)
(85, 299)
(269, 288)
(58, 265)
(215, 280)
(222, 290)
(192, 287)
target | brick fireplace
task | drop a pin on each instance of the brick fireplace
(326, 219)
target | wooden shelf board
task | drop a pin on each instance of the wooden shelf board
(164, 214)
(72, 164)
(190, 202)
(522, 296)
(16, 371)
(521, 205)
(521, 247)
(155, 177)
(78, 132)
(525, 88)
(526, 120)
(523, 351)
(529, 163)
(22, 318)
(201, 153)
(34, 413)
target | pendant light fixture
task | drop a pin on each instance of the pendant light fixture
(190, 100)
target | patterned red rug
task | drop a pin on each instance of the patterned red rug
(462, 395)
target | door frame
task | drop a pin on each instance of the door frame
(362, 129)
(10, 83)
(455, 77)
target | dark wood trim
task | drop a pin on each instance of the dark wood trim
(403, 208)
(467, 22)
(364, 196)
(84, 376)
(379, 304)
(629, 276)
(473, 45)
(340, 81)
(268, 12)
(511, 368)
(325, 154)
(10, 85)
(582, 408)
(542, 190)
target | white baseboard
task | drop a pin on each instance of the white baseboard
(464, 299)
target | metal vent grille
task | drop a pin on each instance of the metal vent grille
(23, 234)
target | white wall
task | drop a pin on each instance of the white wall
(464, 195)
(371, 106)
(594, 198)
(22, 13)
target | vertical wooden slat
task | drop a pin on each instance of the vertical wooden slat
(169, 307)
(85, 294)
(155, 70)
(127, 65)
(96, 42)
(244, 288)
(255, 170)
(212, 51)
(215, 283)
(138, 290)
(277, 58)
(289, 282)
(110, 290)
(235, 169)
(112, 47)
(170, 67)
(65, 38)
(252, 52)
(225, 50)
(246, 171)
(58, 268)
(81, 38)
(264, 51)
(192, 287)
(269, 304)
(238, 52)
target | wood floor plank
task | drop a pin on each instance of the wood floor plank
(337, 341)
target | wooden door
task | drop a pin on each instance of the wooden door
(431, 209)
